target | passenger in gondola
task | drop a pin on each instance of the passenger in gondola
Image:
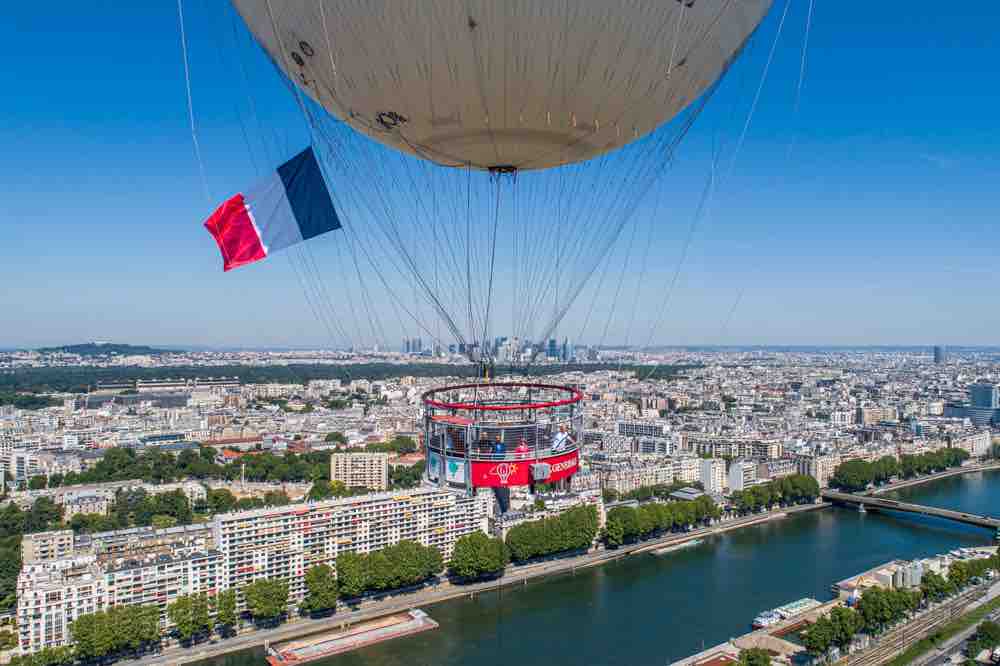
(560, 440)
(483, 445)
(499, 449)
(522, 449)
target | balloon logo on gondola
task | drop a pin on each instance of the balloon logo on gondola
(503, 471)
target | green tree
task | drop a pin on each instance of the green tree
(337, 437)
(161, 521)
(852, 476)
(36, 482)
(845, 624)
(934, 587)
(201, 616)
(819, 636)
(352, 575)
(50, 656)
(381, 572)
(267, 598)
(476, 555)
(43, 515)
(755, 657)
(321, 589)
(225, 611)
(221, 501)
(572, 530)
(180, 614)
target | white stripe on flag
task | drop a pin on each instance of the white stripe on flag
(272, 214)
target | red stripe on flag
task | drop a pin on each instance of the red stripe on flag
(235, 234)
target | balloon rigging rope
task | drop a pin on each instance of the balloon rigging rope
(791, 142)
(756, 97)
(190, 103)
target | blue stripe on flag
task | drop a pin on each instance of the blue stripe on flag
(308, 195)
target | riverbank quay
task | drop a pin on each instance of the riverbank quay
(299, 627)
(886, 647)
(907, 483)
(872, 652)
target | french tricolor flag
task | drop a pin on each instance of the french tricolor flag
(290, 206)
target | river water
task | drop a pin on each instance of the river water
(650, 609)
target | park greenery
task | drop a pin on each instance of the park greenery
(879, 608)
(755, 657)
(400, 444)
(155, 466)
(572, 530)
(477, 555)
(627, 524)
(856, 475)
(401, 565)
(324, 490)
(105, 349)
(787, 490)
(26, 400)
(407, 476)
(987, 637)
(80, 379)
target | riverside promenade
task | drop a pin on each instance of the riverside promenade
(389, 604)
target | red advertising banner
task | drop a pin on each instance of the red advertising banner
(499, 474)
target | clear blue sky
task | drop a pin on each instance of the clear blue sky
(869, 217)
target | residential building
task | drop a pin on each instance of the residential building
(977, 444)
(686, 468)
(282, 542)
(742, 474)
(642, 428)
(777, 468)
(361, 470)
(44, 546)
(820, 467)
(713, 475)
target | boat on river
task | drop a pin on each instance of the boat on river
(334, 642)
(775, 615)
(678, 546)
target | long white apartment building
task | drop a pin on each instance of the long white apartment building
(282, 542)
(64, 576)
(58, 584)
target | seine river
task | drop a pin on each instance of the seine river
(651, 609)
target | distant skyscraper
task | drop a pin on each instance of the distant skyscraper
(984, 395)
(553, 350)
(939, 355)
(406, 345)
(565, 350)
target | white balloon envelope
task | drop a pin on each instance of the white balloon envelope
(503, 84)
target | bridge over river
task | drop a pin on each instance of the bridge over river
(870, 502)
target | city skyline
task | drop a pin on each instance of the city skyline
(862, 219)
